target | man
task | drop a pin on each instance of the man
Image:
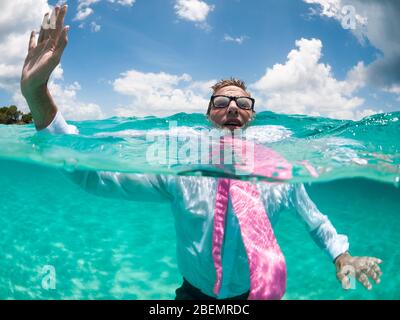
(196, 200)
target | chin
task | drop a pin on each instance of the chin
(232, 128)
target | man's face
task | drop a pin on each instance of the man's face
(231, 117)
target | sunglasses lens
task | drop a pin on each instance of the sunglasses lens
(244, 103)
(221, 102)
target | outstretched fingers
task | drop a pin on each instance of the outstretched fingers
(376, 260)
(62, 42)
(53, 34)
(53, 22)
(362, 277)
(60, 20)
(44, 30)
(32, 41)
(377, 270)
(372, 270)
(372, 274)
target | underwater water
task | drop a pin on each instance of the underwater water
(114, 249)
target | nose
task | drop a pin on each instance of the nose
(233, 109)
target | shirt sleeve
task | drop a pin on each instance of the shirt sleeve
(60, 126)
(136, 187)
(320, 228)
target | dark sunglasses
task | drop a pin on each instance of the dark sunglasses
(220, 101)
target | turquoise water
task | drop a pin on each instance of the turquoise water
(110, 249)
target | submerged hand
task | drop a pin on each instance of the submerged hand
(359, 267)
(44, 56)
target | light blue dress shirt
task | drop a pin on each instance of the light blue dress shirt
(192, 200)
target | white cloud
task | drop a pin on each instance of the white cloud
(161, 94)
(329, 8)
(202, 87)
(84, 8)
(65, 96)
(86, 3)
(83, 14)
(127, 3)
(304, 85)
(379, 22)
(28, 14)
(58, 74)
(95, 27)
(12, 54)
(17, 19)
(238, 40)
(338, 10)
(71, 107)
(393, 89)
(194, 11)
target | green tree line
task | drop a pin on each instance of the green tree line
(11, 115)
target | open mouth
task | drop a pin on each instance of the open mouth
(234, 123)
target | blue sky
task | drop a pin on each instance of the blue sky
(160, 57)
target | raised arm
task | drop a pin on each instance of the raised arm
(42, 58)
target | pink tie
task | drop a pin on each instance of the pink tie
(266, 262)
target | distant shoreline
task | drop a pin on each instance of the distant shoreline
(19, 123)
(11, 115)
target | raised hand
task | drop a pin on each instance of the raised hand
(44, 56)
